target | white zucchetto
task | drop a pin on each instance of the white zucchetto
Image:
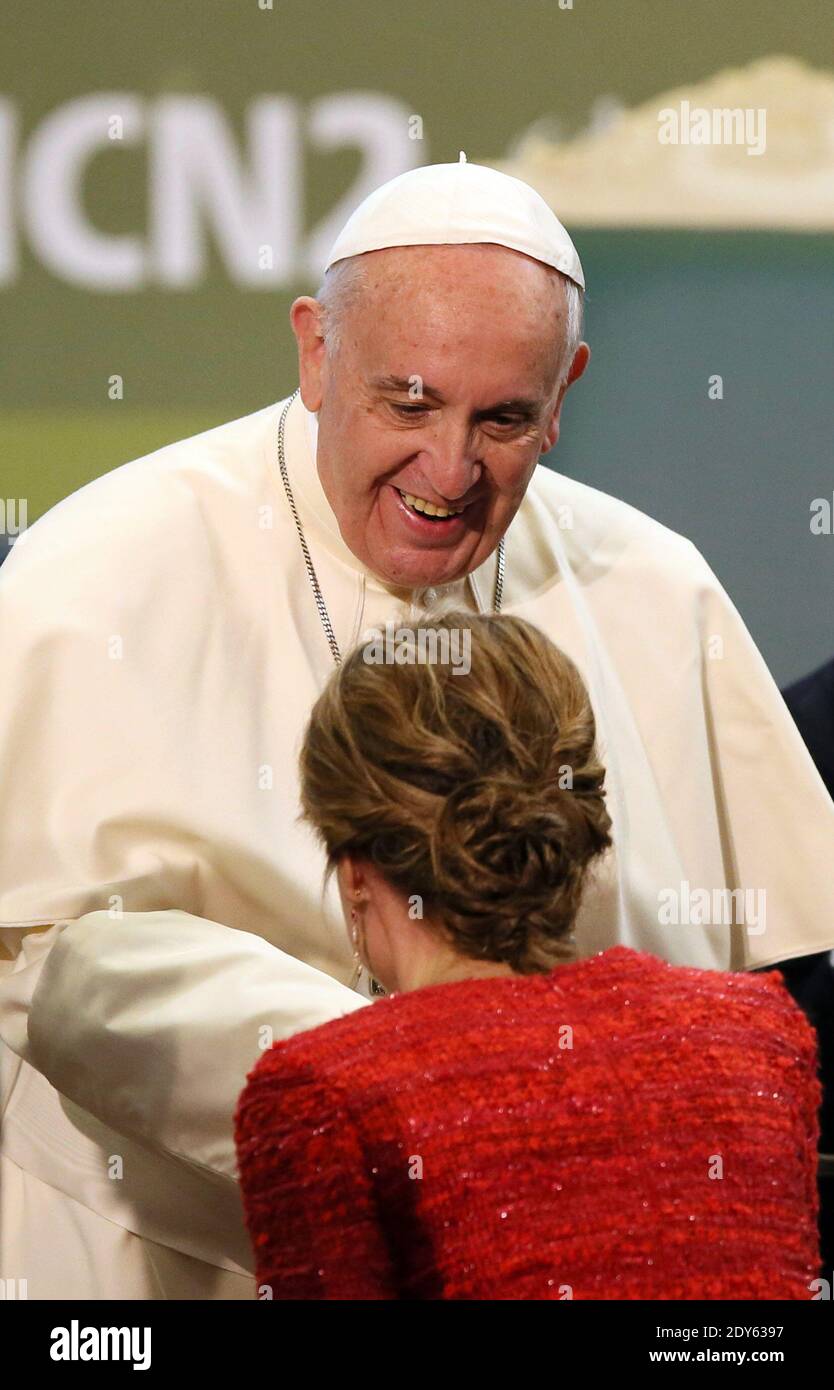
(458, 203)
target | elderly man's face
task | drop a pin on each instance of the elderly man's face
(444, 389)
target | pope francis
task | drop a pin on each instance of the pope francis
(165, 631)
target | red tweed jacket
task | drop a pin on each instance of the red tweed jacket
(617, 1129)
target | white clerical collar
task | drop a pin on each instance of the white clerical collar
(473, 591)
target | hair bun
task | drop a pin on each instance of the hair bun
(499, 835)
(481, 794)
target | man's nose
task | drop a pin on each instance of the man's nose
(452, 462)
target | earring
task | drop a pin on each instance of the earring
(354, 935)
(375, 987)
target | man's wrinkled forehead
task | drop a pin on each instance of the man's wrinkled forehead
(483, 266)
(475, 296)
(424, 305)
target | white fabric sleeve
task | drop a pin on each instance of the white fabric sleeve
(151, 1022)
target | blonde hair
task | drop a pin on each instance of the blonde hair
(481, 793)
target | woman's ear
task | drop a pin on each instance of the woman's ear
(351, 875)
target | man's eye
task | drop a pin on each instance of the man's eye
(507, 421)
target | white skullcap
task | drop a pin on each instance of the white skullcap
(459, 203)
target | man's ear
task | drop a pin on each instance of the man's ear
(305, 319)
(581, 358)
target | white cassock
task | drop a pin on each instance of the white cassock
(161, 652)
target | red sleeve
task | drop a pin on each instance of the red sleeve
(307, 1193)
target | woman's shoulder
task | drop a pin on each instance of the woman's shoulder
(619, 981)
(738, 989)
(739, 1010)
(397, 1026)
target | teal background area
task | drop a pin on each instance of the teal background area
(664, 313)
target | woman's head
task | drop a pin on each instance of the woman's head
(462, 810)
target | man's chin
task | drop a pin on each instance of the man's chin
(414, 569)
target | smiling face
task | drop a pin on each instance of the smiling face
(445, 389)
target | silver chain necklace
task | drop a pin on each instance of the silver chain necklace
(311, 573)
